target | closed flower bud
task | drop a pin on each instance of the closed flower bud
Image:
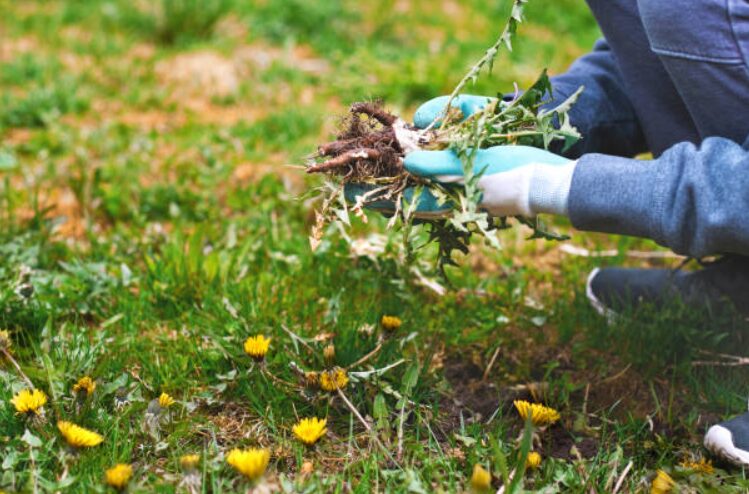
(329, 354)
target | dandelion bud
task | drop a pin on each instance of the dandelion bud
(84, 387)
(118, 476)
(391, 323)
(329, 354)
(662, 483)
(533, 460)
(311, 378)
(481, 479)
(165, 401)
(189, 462)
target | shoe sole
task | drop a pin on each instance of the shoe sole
(599, 306)
(719, 441)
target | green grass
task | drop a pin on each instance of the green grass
(148, 227)
(170, 22)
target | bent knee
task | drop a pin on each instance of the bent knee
(700, 30)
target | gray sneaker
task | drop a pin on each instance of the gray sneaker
(729, 440)
(717, 287)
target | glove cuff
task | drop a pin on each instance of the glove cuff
(550, 188)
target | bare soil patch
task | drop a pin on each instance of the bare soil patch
(204, 73)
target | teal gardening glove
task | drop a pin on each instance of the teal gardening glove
(515, 180)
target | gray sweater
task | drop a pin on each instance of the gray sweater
(671, 78)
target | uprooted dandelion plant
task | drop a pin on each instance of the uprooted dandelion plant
(368, 156)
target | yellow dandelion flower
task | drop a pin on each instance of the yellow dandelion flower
(29, 401)
(256, 346)
(310, 430)
(702, 466)
(662, 483)
(85, 384)
(165, 401)
(333, 379)
(249, 462)
(481, 479)
(391, 323)
(5, 341)
(540, 415)
(77, 436)
(533, 460)
(189, 462)
(119, 475)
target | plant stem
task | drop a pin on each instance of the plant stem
(18, 368)
(504, 39)
(368, 428)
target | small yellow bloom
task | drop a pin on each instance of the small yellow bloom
(29, 401)
(119, 475)
(540, 415)
(257, 346)
(662, 483)
(333, 379)
(165, 401)
(77, 436)
(85, 384)
(249, 462)
(481, 479)
(310, 430)
(702, 466)
(5, 341)
(391, 323)
(189, 462)
(533, 460)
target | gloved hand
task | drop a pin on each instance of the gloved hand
(515, 180)
(432, 109)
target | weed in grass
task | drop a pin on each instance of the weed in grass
(300, 21)
(172, 22)
(41, 105)
(366, 161)
(28, 68)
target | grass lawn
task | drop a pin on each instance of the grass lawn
(153, 216)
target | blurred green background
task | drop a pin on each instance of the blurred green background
(273, 73)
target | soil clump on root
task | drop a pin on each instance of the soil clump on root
(367, 146)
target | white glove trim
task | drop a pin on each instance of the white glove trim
(527, 190)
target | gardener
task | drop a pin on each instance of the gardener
(672, 78)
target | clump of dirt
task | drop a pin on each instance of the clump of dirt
(477, 399)
(366, 147)
(561, 443)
